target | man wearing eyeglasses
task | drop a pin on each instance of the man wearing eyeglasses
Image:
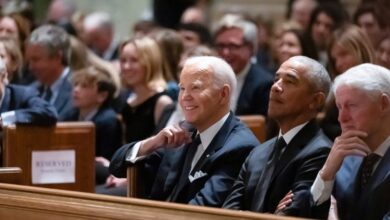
(236, 42)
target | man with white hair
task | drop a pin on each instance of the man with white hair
(197, 168)
(290, 161)
(22, 105)
(98, 33)
(357, 171)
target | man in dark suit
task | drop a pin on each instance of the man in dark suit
(291, 160)
(47, 54)
(201, 171)
(357, 171)
(22, 105)
(236, 43)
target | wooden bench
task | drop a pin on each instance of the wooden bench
(22, 145)
(257, 124)
(35, 203)
(10, 175)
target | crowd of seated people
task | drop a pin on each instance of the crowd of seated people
(166, 99)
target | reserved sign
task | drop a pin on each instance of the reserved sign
(56, 166)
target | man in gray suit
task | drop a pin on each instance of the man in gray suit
(47, 54)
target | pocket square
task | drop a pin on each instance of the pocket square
(197, 175)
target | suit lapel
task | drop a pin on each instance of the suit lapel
(5, 105)
(300, 140)
(63, 93)
(176, 161)
(217, 143)
(381, 172)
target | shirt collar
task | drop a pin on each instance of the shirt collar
(89, 116)
(241, 75)
(57, 84)
(207, 135)
(381, 150)
(289, 135)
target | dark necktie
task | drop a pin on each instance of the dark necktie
(367, 168)
(192, 147)
(267, 174)
(48, 94)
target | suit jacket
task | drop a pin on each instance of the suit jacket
(253, 98)
(217, 168)
(63, 102)
(296, 170)
(108, 130)
(28, 106)
(374, 201)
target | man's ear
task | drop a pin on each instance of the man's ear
(102, 97)
(225, 94)
(318, 101)
(385, 103)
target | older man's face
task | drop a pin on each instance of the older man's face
(233, 49)
(292, 96)
(41, 64)
(358, 111)
(199, 98)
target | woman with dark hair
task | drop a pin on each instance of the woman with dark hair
(293, 42)
(324, 20)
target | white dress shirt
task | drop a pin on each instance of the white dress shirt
(321, 190)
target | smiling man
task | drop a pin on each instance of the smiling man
(292, 160)
(199, 170)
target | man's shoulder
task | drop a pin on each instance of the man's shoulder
(260, 74)
(21, 91)
(320, 140)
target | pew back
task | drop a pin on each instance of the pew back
(23, 146)
(26, 202)
(257, 124)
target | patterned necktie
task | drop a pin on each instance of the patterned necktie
(367, 168)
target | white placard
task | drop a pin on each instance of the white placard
(56, 166)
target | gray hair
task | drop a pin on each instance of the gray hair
(371, 78)
(318, 75)
(54, 39)
(98, 20)
(222, 72)
(248, 28)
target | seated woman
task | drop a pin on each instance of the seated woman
(141, 71)
(93, 90)
(349, 46)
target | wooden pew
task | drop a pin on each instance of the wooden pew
(33, 203)
(10, 175)
(31, 147)
(257, 124)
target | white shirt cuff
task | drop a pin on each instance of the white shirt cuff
(321, 190)
(132, 155)
(8, 118)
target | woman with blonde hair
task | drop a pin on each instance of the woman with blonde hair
(11, 54)
(349, 47)
(141, 70)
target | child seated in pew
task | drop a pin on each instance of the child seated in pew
(93, 91)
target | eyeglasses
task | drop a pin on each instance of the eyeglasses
(230, 47)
